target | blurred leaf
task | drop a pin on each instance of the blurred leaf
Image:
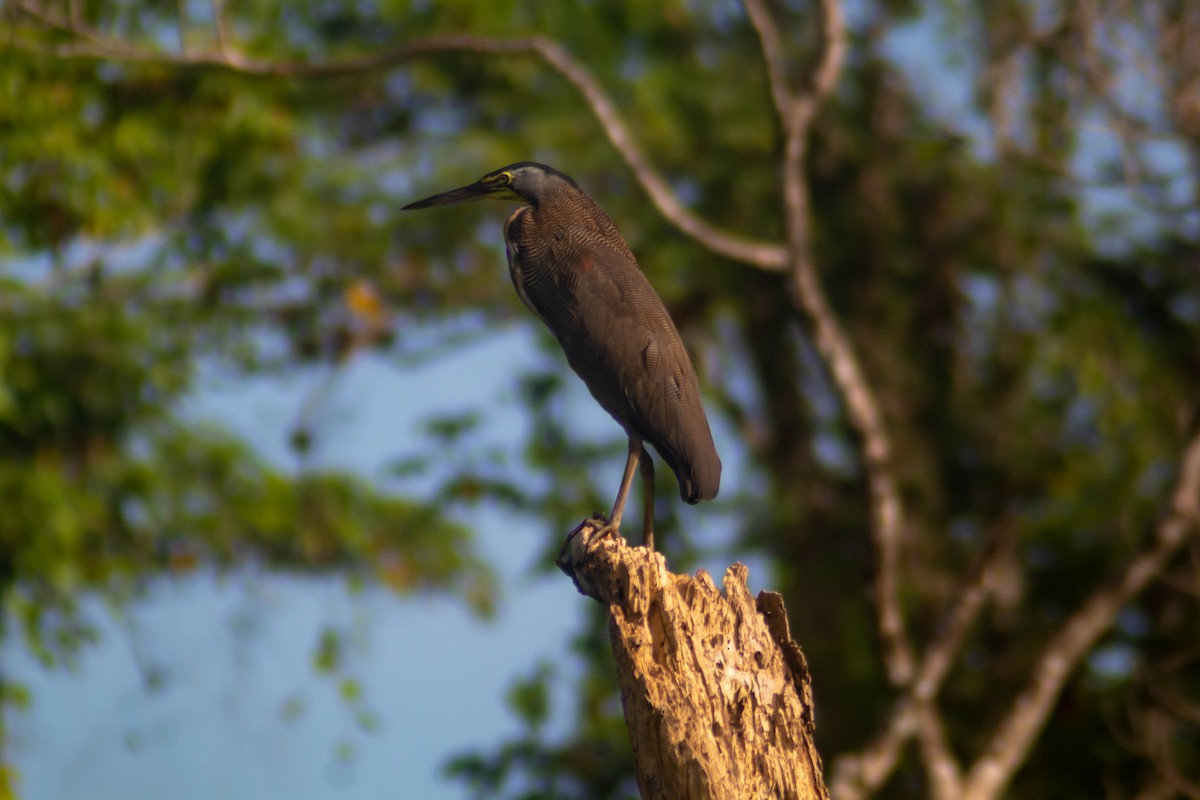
(529, 698)
(328, 655)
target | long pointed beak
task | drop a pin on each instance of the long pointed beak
(466, 194)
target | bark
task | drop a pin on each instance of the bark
(717, 696)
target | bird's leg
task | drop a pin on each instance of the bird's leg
(614, 519)
(647, 470)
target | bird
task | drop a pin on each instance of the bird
(572, 269)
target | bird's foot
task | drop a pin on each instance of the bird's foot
(597, 522)
(604, 527)
(613, 530)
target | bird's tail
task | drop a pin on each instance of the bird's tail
(703, 477)
(698, 468)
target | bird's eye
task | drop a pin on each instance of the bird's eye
(505, 178)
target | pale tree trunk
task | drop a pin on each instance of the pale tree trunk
(716, 694)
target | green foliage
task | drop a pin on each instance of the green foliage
(141, 239)
(1035, 360)
(530, 698)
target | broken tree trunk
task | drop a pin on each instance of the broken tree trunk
(716, 694)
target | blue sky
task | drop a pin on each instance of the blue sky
(236, 650)
(241, 712)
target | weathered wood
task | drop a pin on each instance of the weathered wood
(716, 694)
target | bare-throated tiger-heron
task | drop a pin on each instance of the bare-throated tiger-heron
(573, 270)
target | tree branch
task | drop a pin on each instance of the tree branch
(90, 45)
(859, 776)
(772, 50)
(759, 254)
(796, 111)
(833, 54)
(1007, 749)
(943, 771)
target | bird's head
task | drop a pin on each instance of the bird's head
(525, 181)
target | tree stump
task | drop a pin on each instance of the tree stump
(717, 696)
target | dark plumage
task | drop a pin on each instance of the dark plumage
(573, 270)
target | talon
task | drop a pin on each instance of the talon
(609, 529)
(601, 525)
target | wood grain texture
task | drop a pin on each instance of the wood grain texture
(716, 694)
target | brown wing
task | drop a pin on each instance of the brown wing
(619, 339)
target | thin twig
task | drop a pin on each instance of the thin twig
(772, 50)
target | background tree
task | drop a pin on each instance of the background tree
(938, 262)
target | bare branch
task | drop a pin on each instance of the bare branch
(886, 508)
(945, 775)
(859, 776)
(761, 254)
(1165, 692)
(831, 340)
(1154, 736)
(862, 775)
(833, 55)
(969, 599)
(941, 767)
(796, 109)
(1016, 733)
(772, 49)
